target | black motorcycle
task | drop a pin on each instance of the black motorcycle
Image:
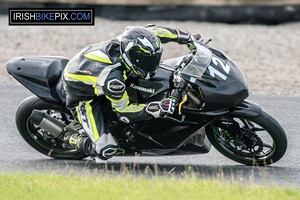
(211, 92)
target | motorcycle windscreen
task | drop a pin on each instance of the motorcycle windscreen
(198, 65)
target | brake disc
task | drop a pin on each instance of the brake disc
(247, 143)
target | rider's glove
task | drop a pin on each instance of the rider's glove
(157, 108)
(191, 44)
(184, 37)
(168, 105)
(197, 36)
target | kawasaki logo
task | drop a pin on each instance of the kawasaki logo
(148, 90)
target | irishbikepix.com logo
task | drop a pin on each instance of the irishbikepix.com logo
(60, 16)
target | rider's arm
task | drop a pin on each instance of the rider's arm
(115, 90)
(170, 35)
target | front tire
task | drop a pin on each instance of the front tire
(39, 139)
(259, 140)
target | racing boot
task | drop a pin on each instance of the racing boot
(81, 143)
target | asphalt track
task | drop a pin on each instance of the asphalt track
(17, 155)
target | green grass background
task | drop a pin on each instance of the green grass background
(44, 186)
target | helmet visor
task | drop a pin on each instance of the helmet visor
(147, 63)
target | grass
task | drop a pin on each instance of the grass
(113, 187)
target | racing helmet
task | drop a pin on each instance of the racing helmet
(141, 51)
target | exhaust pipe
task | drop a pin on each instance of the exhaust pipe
(48, 123)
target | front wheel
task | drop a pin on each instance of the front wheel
(248, 140)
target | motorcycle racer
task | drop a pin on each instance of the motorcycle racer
(101, 70)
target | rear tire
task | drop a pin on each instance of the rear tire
(267, 124)
(34, 136)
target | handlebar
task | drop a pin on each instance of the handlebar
(193, 49)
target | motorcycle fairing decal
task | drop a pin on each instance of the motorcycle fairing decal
(192, 79)
(148, 90)
(213, 71)
(226, 67)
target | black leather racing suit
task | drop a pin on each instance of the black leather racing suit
(98, 70)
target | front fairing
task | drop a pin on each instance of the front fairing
(223, 84)
(222, 68)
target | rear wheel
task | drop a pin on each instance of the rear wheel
(40, 139)
(248, 140)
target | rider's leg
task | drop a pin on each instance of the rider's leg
(99, 137)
